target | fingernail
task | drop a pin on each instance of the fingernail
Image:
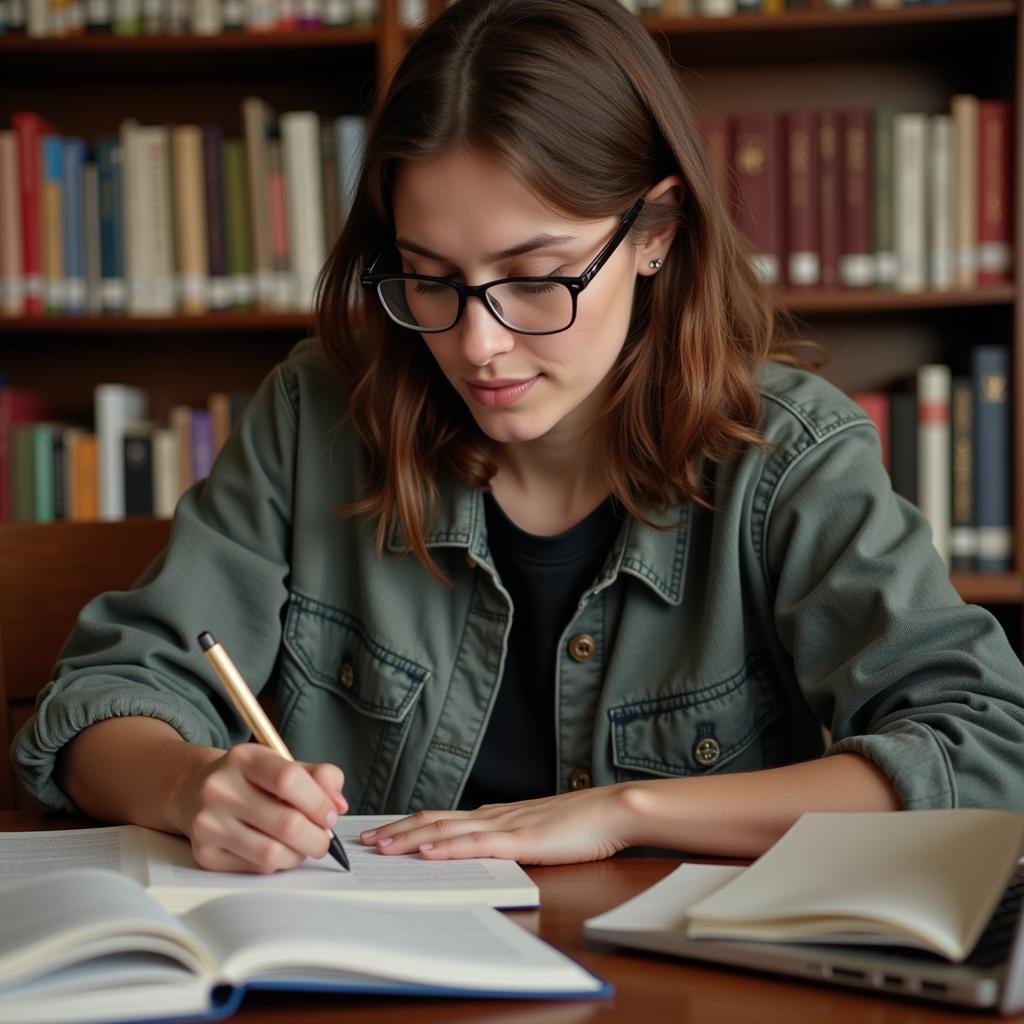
(426, 846)
(368, 834)
(331, 818)
(342, 805)
(385, 842)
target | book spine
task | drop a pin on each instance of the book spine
(91, 239)
(911, 193)
(236, 216)
(180, 420)
(201, 435)
(942, 203)
(53, 226)
(138, 472)
(165, 473)
(804, 258)
(116, 406)
(830, 172)
(857, 261)
(963, 537)
(990, 369)
(41, 436)
(84, 461)
(190, 218)
(756, 158)
(12, 280)
(965, 129)
(300, 137)
(903, 444)
(219, 405)
(257, 119)
(74, 227)
(219, 294)
(17, 407)
(995, 250)
(882, 189)
(109, 157)
(28, 129)
(23, 477)
(160, 218)
(59, 480)
(933, 465)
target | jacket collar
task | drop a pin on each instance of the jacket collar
(656, 557)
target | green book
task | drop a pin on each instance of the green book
(42, 473)
(882, 181)
(236, 216)
(23, 473)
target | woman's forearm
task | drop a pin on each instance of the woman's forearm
(741, 815)
(131, 769)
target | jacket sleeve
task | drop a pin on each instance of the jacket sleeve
(224, 570)
(886, 653)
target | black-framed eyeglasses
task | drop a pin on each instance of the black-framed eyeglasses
(526, 305)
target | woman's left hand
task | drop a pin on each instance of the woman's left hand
(586, 825)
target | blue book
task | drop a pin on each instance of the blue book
(52, 207)
(74, 227)
(75, 939)
(108, 173)
(993, 475)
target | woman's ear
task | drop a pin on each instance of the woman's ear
(651, 253)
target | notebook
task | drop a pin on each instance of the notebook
(918, 903)
(87, 944)
(164, 866)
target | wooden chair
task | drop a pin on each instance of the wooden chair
(47, 573)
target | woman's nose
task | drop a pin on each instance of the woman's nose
(482, 336)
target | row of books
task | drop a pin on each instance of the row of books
(872, 197)
(728, 8)
(47, 19)
(124, 464)
(947, 443)
(162, 220)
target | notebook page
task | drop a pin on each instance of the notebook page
(175, 880)
(119, 848)
(462, 946)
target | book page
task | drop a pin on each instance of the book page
(464, 946)
(180, 884)
(119, 848)
(927, 878)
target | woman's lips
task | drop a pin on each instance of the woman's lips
(496, 393)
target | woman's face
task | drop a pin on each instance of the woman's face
(519, 387)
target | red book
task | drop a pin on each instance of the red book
(876, 405)
(716, 130)
(830, 169)
(17, 405)
(803, 215)
(995, 146)
(856, 259)
(29, 128)
(757, 163)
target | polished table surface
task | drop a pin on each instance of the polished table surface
(648, 988)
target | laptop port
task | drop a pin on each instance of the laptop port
(934, 986)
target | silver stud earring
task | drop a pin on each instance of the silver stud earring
(655, 264)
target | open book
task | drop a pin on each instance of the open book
(924, 879)
(87, 944)
(164, 866)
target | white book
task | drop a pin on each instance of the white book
(193, 279)
(910, 133)
(115, 406)
(303, 181)
(93, 262)
(166, 485)
(206, 18)
(716, 8)
(942, 204)
(88, 944)
(349, 142)
(965, 120)
(164, 866)
(933, 452)
(922, 879)
(12, 274)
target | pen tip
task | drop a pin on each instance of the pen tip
(206, 641)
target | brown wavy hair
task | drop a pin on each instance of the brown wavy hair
(579, 102)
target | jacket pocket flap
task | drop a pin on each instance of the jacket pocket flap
(695, 731)
(336, 653)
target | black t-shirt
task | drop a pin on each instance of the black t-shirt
(545, 576)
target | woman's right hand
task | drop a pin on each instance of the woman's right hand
(248, 809)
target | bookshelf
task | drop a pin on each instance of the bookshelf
(913, 58)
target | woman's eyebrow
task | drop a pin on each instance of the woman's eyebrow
(542, 241)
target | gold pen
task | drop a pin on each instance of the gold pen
(254, 716)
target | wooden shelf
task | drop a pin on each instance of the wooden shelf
(978, 588)
(872, 300)
(207, 323)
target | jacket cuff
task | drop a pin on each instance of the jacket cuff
(913, 760)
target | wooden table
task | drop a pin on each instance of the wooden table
(649, 989)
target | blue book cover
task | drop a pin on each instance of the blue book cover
(993, 476)
(53, 178)
(108, 172)
(74, 227)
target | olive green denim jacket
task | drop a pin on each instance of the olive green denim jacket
(810, 597)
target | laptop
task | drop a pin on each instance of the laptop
(992, 976)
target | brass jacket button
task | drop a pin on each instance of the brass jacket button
(579, 779)
(582, 647)
(470, 560)
(346, 676)
(707, 751)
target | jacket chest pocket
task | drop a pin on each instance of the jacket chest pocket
(721, 726)
(352, 699)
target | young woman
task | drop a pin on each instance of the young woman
(558, 555)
